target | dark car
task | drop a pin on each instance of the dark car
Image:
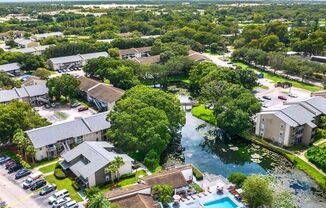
(267, 97)
(38, 184)
(47, 189)
(22, 173)
(14, 168)
(281, 97)
(10, 163)
(4, 159)
(83, 108)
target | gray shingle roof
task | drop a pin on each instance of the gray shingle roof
(47, 135)
(97, 154)
(25, 91)
(88, 56)
(65, 59)
(9, 67)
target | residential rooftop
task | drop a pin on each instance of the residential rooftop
(23, 92)
(48, 135)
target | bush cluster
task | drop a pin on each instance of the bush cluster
(317, 155)
(59, 174)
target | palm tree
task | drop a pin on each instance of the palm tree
(112, 168)
(98, 201)
(118, 160)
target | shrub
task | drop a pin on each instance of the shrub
(317, 156)
(59, 174)
(237, 178)
(75, 185)
(127, 175)
(197, 173)
(18, 158)
(151, 160)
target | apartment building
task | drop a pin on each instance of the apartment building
(51, 141)
(293, 123)
(74, 61)
(12, 69)
(89, 161)
(42, 36)
(135, 53)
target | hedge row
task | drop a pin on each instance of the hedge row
(197, 173)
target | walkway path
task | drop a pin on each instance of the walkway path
(302, 156)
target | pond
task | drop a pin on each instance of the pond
(203, 148)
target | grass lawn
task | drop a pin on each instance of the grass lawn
(48, 169)
(64, 184)
(276, 78)
(204, 113)
(261, 87)
(123, 182)
(179, 79)
(45, 162)
(61, 115)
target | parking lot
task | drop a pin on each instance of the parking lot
(273, 92)
(12, 192)
(62, 113)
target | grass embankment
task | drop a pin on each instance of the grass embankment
(299, 163)
(277, 78)
(204, 113)
(64, 184)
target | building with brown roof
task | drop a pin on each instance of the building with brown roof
(137, 201)
(140, 195)
(135, 52)
(197, 57)
(103, 96)
(179, 178)
(148, 60)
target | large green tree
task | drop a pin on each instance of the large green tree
(164, 191)
(145, 119)
(65, 85)
(18, 115)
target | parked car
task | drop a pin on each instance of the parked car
(292, 95)
(60, 202)
(48, 189)
(71, 204)
(260, 99)
(22, 173)
(75, 105)
(57, 195)
(4, 159)
(14, 168)
(281, 97)
(83, 108)
(29, 181)
(9, 163)
(52, 105)
(266, 97)
(38, 184)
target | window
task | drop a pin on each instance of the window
(281, 133)
(281, 126)
(107, 178)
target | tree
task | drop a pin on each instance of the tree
(256, 191)
(42, 73)
(99, 201)
(164, 191)
(118, 163)
(112, 168)
(145, 119)
(23, 144)
(65, 85)
(6, 82)
(237, 178)
(31, 62)
(152, 160)
(92, 191)
(18, 115)
(114, 52)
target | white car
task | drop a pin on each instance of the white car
(58, 195)
(71, 204)
(292, 95)
(60, 202)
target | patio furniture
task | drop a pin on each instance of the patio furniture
(204, 193)
(199, 195)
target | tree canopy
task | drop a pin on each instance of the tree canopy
(65, 85)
